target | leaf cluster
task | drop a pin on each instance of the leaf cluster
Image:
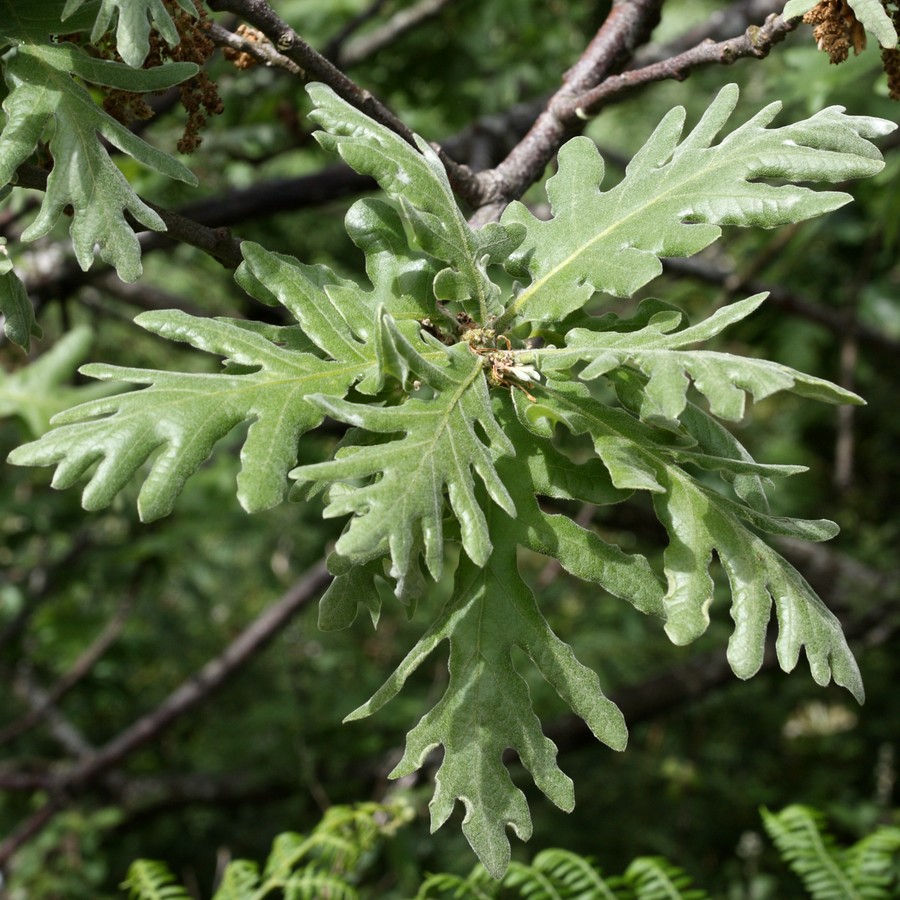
(459, 372)
(54, 124)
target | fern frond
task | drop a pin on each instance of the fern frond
(561, 875)
(655, 878)
(872, 862)
(827, 871)
(240, 881)
(577, 878)
(149, 879)
(478, 885)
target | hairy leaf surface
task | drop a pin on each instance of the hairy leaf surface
(440, 448)
(41, 90)
(724, 379)
(673, 198)
(458, 431)
(700, 521)
(181, 416)
(415, 178)
(487, 708)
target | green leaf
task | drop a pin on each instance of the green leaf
(415, 178)
(700, 521)
(36, 392)
(37, 19)
(721, 377)
(655, 878)
(15, 306)
(486, 707)
(440, 447)
(871, 13)
(674, 197)
(491, 611)
(793, 9)
(84, 178)
(148, 879)
(134, 21)
(181, 416)
(561, 873)
(875, 19)
(800, 836)
(452, 427)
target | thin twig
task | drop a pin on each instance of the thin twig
(628, 25)
(208, 679)
(72, 741)
(182, 700)
(755, 42)
(81, 667)
(400, 23)
(32, 826)
(315, 67)
(350, 27)
(261, 51)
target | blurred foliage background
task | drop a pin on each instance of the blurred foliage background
(268, 752)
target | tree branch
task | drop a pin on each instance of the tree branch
(208, 679)
(315, 67)
(217, 242)
(628, 24)
(353, 24)
(184, 698)
(43, 701)
(755, 42)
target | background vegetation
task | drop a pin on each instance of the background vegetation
(105, 623)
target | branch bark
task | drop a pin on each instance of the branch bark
(755, 42)
(628, 25)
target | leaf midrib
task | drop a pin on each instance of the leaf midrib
(535, 287)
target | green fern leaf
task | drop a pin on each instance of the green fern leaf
(655, 878)
(827, 871)
(151, 880)
(564, 875)
(870, 863)
(673, 199)
(240, 881)
(41, 90)
(478, 886)
(134, 21)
